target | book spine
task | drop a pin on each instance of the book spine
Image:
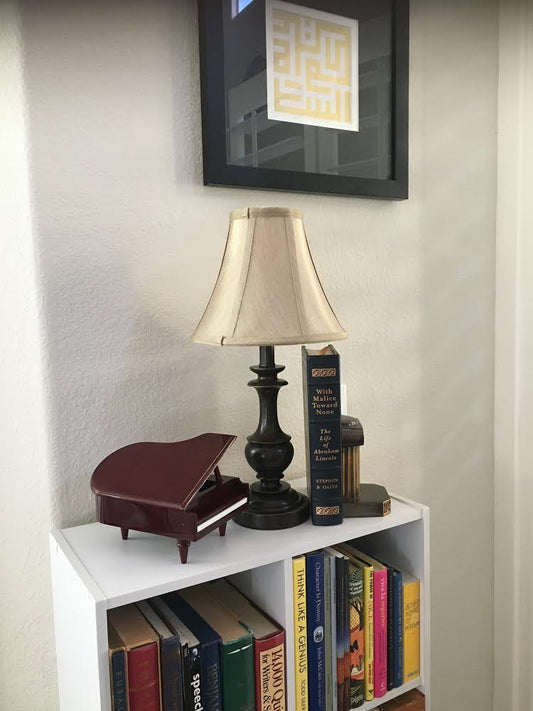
(186, 677)
(322, 411)
(300, 633)
(209, 645)
(339, 624)
(333, 632)
(357, 633)
(270, 673)
(143, 678)
(238, 679)
(380, 632)
(390, 628)
(316, 653)
(398, 628)
(171, 674)
(368, 613)
(119, 681)
(346, 634)
(195, 682)
(327, 636)
(411, 630)
(210, 666)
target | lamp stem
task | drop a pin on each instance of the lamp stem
(269, 451)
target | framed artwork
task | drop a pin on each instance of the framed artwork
(308, 95)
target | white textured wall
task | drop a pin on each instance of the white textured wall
(129, 245)
(26, 644)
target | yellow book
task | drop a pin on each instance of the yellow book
(300, 633)
(411, 627)
(368, 616)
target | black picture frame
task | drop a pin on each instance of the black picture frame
(218, 171)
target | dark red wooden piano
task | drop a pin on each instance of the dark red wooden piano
(171, 489)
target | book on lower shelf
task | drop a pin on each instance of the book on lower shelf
(367, 615)
(411, 627)
(204, 657)
(322, 414)
(316, 650)
(169, 658)
(413, 700)
(141, 645)
(236, 648)
(380, 584)
(269, 645)
(190, 652)
(117, 671)
(342, 649)
(357, 637)
(299, 595)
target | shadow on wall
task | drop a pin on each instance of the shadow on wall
(115, 130)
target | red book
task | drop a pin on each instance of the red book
(142, 657)
(269, 646)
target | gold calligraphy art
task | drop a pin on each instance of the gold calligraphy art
(312, 66)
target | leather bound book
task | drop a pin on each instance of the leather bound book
(117, 672)
(141, 644)
(322, 413)
(169, 658)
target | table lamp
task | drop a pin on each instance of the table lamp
(268, 293)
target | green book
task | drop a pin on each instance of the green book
(237, 651)
(357, 640)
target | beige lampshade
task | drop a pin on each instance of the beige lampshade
(267, 292)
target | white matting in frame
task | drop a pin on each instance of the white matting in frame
(312, 66)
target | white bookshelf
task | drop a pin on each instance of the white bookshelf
(94, 570)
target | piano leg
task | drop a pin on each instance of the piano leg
(183, 547)
(124, 532)
(222, 529)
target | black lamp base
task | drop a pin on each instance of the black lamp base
(269, 451)
(271, 510)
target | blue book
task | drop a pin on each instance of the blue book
(397, 629)
(316, 648)
(170, 656)
(117, 670)
(323, 434)
(211, 687)
(190, 653)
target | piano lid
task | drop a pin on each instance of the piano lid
(160, 472)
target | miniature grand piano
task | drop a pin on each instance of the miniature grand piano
(173, 489)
